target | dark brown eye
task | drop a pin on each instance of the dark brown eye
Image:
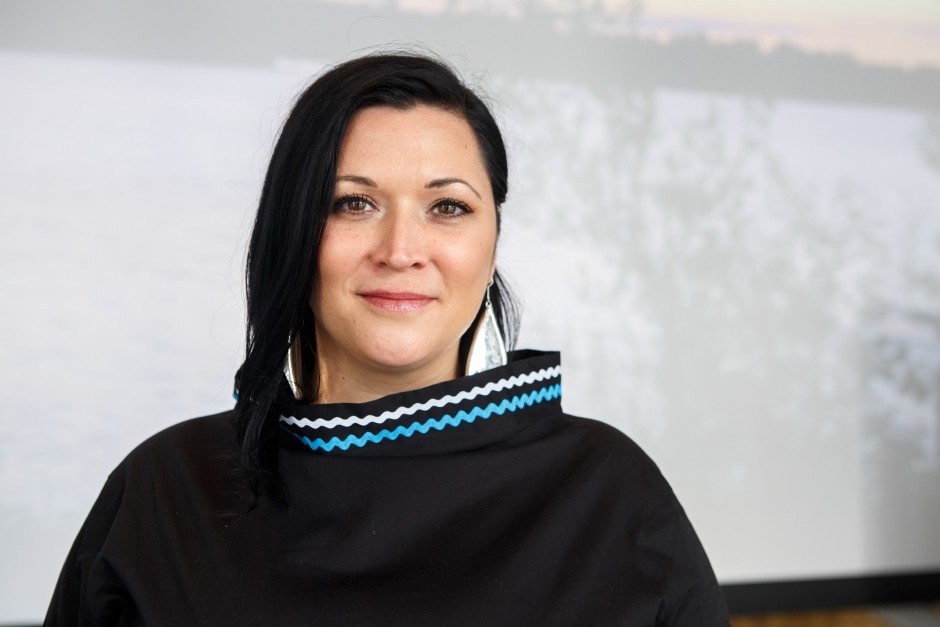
(351, 204)
(450, 208)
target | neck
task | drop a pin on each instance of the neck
(340, 383)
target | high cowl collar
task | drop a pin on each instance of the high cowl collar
(466, 413)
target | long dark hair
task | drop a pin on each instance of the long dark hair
(295, 203)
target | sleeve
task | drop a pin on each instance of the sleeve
(666, 551)
(693, 596)
(85, 585)
(666, 570)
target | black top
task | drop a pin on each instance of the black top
(471, 502)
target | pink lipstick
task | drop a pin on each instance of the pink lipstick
(396, 301)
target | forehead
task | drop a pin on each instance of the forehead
(423, 139)
(391, 120)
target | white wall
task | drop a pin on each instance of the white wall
(742, 268)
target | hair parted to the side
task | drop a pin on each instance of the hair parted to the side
(295, 202)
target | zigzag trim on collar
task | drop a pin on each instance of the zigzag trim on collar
(489, 388)
(508, 405)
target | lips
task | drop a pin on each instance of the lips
(396, 301)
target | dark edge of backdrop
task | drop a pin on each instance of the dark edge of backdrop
(810, 594)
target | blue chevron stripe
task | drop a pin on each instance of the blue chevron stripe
(515, 403)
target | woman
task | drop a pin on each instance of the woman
(403, 470)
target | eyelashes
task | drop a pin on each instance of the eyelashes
(360, 204)
(451, 208)
(352, 203)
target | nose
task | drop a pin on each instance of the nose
(402, 241)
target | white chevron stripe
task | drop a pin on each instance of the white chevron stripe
(489, 388)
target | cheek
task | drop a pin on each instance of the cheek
(488, 252)
(331, 267)
(473, 262)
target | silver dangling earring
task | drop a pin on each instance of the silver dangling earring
(487, 349)
(292, 370)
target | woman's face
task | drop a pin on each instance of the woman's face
(407, 252)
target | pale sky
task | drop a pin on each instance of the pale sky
(898, 32)
(799, 10)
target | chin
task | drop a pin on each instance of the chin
(400, 360)
(404, 357)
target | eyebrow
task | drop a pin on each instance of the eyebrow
(354, 178)
(435, 184)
